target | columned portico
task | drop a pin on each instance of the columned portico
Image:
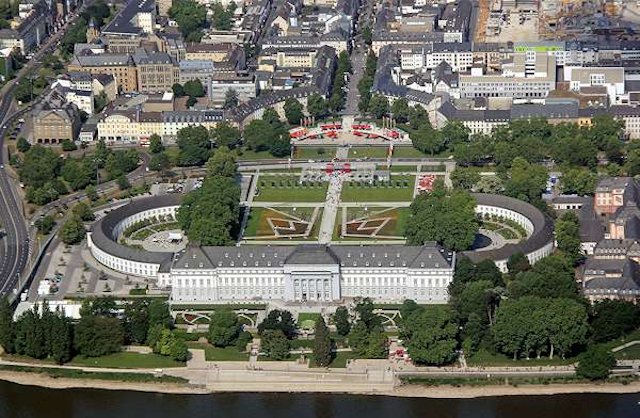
(311, 283)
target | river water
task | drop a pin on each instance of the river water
(32, 402)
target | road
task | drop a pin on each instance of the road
(15, 248)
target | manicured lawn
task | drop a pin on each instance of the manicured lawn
(307, 320)
(320, 153)
(126, 360)
(485, 358)
(283, 189)
(410, 152)
(399, 189)
(403, 168)
(368, 152)
(250, 155)
(213, 306)
(212, 353)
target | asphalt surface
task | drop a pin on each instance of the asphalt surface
(15, 245)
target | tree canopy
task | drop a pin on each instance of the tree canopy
(445, 216)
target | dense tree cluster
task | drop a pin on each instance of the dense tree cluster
(276, 331)
(194, 144)
(267, 134)
(322, 344)
(222, 17)
(445, 216)
(42, 333)
(293, 110)
(191, 18)
(337, 99)
(366, 337)
(568, 236)
(210, 214)
(430, 336)
(366, 82)
(533, 326)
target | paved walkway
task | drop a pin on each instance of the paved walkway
(330, 210)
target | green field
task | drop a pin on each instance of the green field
(287, 189)
(395, 168)
(368, 152)
(487, 359)
(320, 153)
(127, 360)
(212, 353)
(400, 189)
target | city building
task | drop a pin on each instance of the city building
(121, 67)
(156, 72)
(52, 126)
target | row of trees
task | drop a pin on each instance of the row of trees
(210, 214)
(42, 333)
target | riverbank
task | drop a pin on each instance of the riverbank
(404, 391)
(46, 381)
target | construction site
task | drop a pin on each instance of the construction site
(557, 20)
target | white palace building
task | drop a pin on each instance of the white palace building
(306, 272)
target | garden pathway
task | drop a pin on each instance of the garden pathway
(330, 209)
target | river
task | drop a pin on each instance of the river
(33, 402)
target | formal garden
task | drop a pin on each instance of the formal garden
(282, 222)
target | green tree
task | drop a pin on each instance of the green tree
(99, 306)
(293, 110)
(155, 144)
(209, 214)
(7, 334)
(359, 339)
(61, 338)
(551, 277)
(464, 178)
(136, 321)
(596, 363)
(322, 344)
(454, 133)
(578, 181)
(364, 310)
(445, 216)
(123, 182)
(317, 106)
(194, 88)
(178, 90)
(159, 162)
(159, 313)
(367, 35)
(568, 236)
(169, 344)
(427, 140)
(97, 336)
(517, 263)
(224, 328)
(83, 211)
(342, 320)
(279, 320)
(231, 99)
(23, 145)
(275, 344)
(222, 163)
(45, 224)
(613, 319)
(194, 145)
(378, 106)
(39, 166)
(191, 18)
(91, 192)
(400, 110)
(73, 231)
(225, 135)
(431, 337)
(526, 181)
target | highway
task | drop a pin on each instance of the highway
(15, 245)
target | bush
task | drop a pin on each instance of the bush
(68, 145)
(596, 363)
